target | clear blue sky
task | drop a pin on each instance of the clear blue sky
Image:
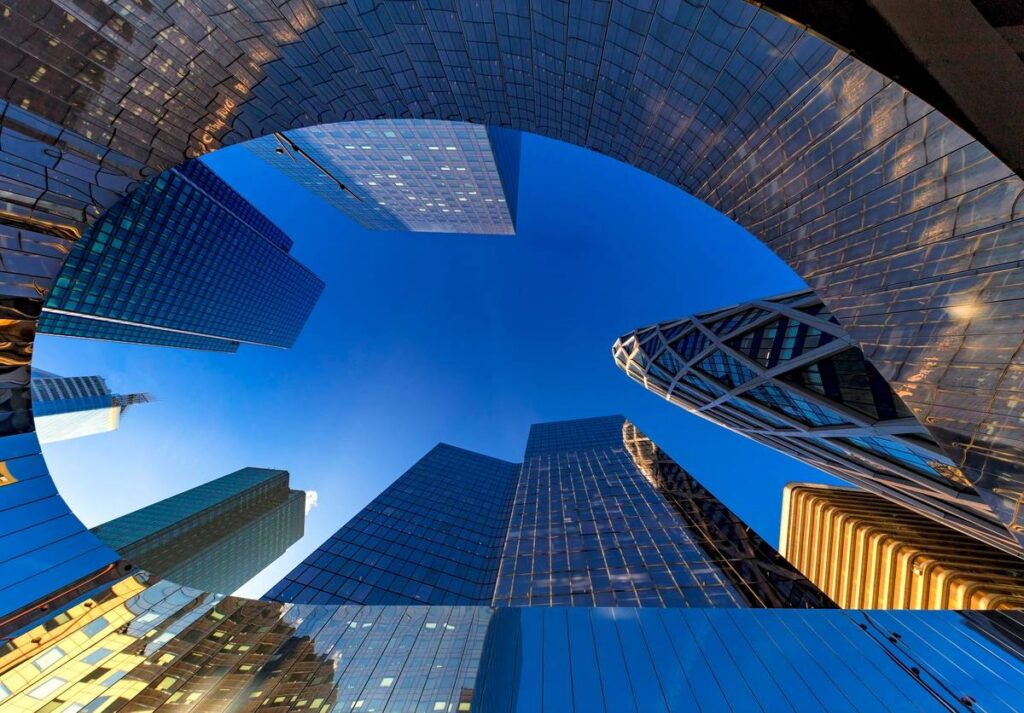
(421, 338)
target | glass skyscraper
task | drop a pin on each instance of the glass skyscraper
(405, 174)
(67, 407)
(216, 536)
(184, 261)
(434, 536)
(782, 372)
(595, 515)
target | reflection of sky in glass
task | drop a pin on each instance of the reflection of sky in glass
(405, 174)
(420, 339)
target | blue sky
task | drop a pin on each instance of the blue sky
(421, 338)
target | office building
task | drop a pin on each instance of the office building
(884, 170)
(216, 536)
(405, 174)
(74, 406)
(184, 261)
(890, 189)
(782, 372)
(596, 515)
(867, 552)
(142, 645)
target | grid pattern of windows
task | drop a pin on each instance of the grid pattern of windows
(726, 369)
(691, 344)
(592, 525)
(659, 660)
(410, 175)
(156, 646)
(795, 406)
(799, 141)
(820, 394)
(728, 325)
(183, 252)
(215, 536)
(434, 536)
(780, 340)
(929, 464)
(82, 327)
(583, 521)
(847, 378)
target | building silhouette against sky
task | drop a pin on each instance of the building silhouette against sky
(216, 536)
(67, 407)
(782, 372)
(596, 515)
(404, 174)
(867, 552)
(184, 261)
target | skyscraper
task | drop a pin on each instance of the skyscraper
(184, 261)
(595, 515)
(405, 174)
(216, 536)
(73, 406)
(782, 372)
(867, 552)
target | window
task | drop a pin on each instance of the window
(45, 660)
(47, 688)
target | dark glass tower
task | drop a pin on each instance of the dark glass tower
(434, 536)
(595, 515)
(216, 536)
(184, 261)
(782, 371)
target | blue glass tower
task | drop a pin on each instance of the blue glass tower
(216, 536)
(595, 515)
(184, 261)
(405, 174)
(435, 536)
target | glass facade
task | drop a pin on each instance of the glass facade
(185, 262)
(409, 175)
(77, 326)
(149, 645)
(596, 514)
(75, 406)
(783, 372)
(602, 517)
(137, 644)
(216, 536)
(659, 660)
(904, 223)
(434, 536)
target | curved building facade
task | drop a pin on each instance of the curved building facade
(907, 226)
(782, 372)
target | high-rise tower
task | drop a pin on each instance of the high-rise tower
(184, 261)
(867, 552)
(73, 406)
(216, 536)
(595, 515)
(405, 174)
(782, 372)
